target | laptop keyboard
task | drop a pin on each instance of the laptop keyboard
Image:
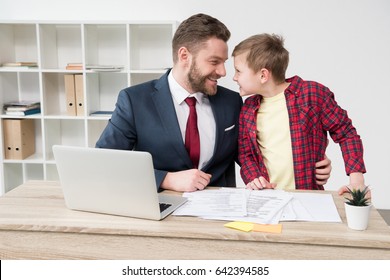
(164, 206)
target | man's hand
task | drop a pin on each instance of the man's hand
(259, 184)
(186, 181)
(323, 169)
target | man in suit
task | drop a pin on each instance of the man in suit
(153, 116)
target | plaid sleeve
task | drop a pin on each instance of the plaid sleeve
(336, 121)
(247, 145)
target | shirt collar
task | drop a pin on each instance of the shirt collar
(295, 85)
(180, 94)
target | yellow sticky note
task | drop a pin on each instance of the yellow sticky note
(268, 228)
(243, 226)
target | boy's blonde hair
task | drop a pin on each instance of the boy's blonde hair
(265, 51)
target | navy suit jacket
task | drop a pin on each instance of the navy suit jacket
(145, 120)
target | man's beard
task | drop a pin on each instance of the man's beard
(197, 81)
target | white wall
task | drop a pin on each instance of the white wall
(342, 44)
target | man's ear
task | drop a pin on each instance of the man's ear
(184, 56)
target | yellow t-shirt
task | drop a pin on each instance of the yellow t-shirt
(274, 139)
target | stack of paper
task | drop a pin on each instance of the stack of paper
(105, 68)
(20, 64)
(261, 207)
(22, 108)
(74, 66)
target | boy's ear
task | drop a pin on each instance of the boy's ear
(265, 75)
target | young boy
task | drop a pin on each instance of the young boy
(283, 126)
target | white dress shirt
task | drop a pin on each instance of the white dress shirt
(206, 121)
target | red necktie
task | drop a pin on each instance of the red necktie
(192, 141)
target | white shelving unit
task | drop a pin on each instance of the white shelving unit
(142, 48)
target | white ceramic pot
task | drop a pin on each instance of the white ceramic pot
(357, 216)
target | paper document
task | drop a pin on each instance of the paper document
(266, 204)
(295, 211)
(261, 207)
(235, 204)
(313, 207)
(222, 202)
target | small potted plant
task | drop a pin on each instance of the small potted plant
(357, 208)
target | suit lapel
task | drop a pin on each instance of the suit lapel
(219, 114)
(163, 102)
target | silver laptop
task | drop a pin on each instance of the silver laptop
(113, 182)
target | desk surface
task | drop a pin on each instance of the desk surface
(35, 224)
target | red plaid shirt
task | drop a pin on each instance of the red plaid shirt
(313, 112)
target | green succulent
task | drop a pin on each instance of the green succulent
(358, 197)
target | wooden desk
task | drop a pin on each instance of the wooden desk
(35, 224)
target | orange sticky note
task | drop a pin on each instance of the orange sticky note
(243, 226)
(268, 228)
